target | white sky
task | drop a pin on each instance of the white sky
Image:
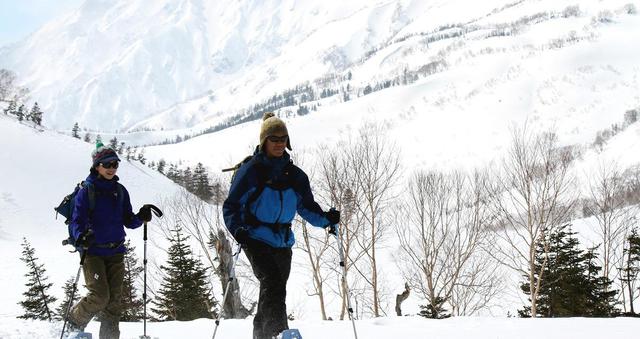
(19, 18)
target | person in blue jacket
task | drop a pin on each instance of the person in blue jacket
(102, 210)
(265, 194)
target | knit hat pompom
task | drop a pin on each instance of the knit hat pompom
(272, 125)
(267, 115)
(103, 154)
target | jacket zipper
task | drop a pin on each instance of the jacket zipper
(281, 207)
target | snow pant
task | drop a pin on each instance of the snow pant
(103, 276)
(271, 266)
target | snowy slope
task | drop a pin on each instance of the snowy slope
(39, 169)
(381, 328)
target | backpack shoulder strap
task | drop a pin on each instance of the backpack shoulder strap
(91, 194)
(120, 193)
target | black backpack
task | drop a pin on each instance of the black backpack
(66, 206)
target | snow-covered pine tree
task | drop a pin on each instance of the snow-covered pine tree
(201, 185)
(141, 157)
(184, 293)
(87, 137)
(132, 304)
(61, 311)
(161, 166)
(36, 114)
(21, 112)
(12, 108)
(113, 143)
(37, 303)
(75, 130)
(186, 179)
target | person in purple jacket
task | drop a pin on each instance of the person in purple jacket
(102, 210)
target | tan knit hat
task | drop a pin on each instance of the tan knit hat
(272, 125)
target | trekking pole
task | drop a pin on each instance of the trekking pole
(232, 275)
(338, 236)
(73, 292)
(144, 293)
(158, 213)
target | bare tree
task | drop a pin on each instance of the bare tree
(535, 196)
(317, 249)
(607, 204)
(375, 163)
(336, 187)
(442, 230)
(9, 89)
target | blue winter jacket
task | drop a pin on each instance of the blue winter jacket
(278, 203)
(110, 214)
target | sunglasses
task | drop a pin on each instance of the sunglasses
(112, 164)
(276, 139)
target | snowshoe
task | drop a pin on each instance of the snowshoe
(290, 334)
(79, 335)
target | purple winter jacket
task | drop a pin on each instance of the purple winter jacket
(109, 217)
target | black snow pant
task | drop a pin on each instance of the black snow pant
(271, 266)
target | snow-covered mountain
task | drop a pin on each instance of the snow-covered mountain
(190, 63)
(111, 63)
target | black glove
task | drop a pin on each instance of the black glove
(332, 229)
(85, 240)
(241, 235)
(333, 216)
(144, 213)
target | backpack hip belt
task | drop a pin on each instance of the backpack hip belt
(251, 220)
(110, 245)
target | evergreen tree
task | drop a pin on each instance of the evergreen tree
(12, 108)
(132, 304)
(87, 137)
(172, 173)
(141, 157)
(21, 112)
(184, 293)
(161, 166)
(128, 153)
(75, 130)
(121, 148)
(113, 143)
(434, 312)
(601, 298)
(631, 268)
(61, 311)
(37, 304)
(571, 285)
(186, 179)
(201, 185)
(36, 114)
